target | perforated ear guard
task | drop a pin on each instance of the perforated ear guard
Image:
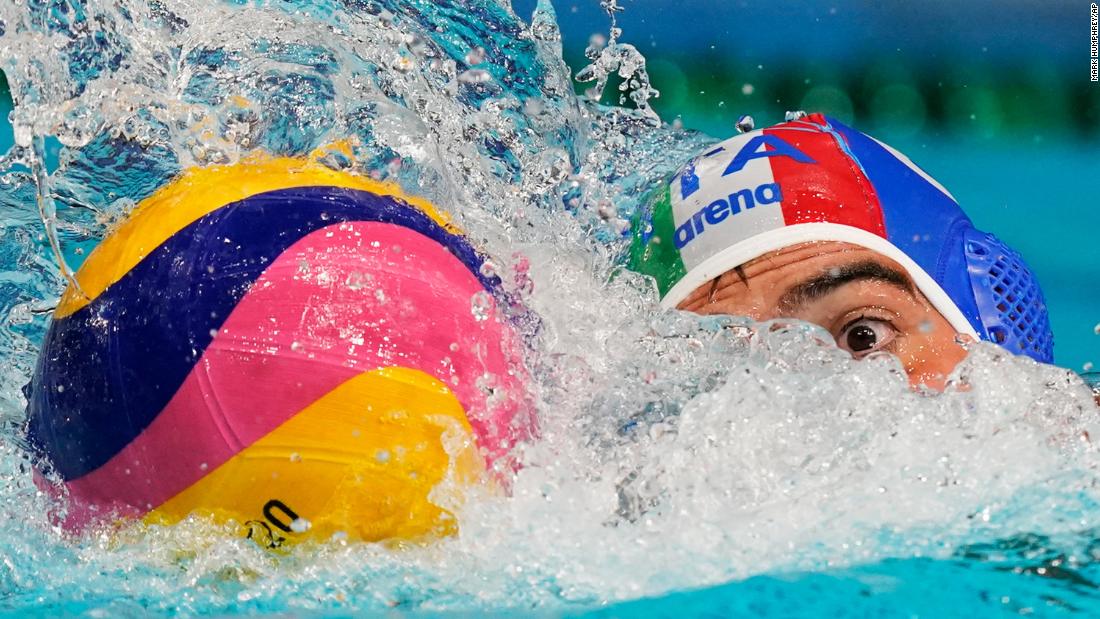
(1010, 303)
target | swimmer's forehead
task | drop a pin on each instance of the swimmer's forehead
(817, 253)
(812, 271)
(805, 272)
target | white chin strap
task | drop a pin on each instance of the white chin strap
(774, 240)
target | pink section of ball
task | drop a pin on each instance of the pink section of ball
(346, 299)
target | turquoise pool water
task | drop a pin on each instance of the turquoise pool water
(687, 467)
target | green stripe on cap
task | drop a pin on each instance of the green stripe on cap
(653, 250)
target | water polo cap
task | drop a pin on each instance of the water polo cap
(814, 179)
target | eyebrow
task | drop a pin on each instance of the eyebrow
(835, 277)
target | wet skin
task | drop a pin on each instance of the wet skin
(864, 299)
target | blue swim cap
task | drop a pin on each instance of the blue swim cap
(814, 179)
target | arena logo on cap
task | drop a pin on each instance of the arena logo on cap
(717, 211)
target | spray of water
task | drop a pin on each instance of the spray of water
(677, 451)
(609, 57)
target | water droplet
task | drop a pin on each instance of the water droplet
(926, 326)
(481, 304)
(475, 56)
(794, 115)
(403, 64)
(295, 457)
(1087, 367)
(300, 525)
(382, 456)
(745, 124)
(203, 466)
(488, 269)
(486, 383)
(379, 295)
(747, 89)
(296, 346)
(355, 280)
(1096, 329)
(453, 347)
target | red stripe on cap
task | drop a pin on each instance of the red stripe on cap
(831, 190)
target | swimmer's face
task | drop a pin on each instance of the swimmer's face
(865, 300)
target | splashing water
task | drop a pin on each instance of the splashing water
(677, 451)
(609, 56)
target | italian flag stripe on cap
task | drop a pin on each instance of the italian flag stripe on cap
(657, 255)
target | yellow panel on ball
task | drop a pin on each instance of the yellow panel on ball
(361, 461)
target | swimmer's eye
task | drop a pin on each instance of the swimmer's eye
(864, 336)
